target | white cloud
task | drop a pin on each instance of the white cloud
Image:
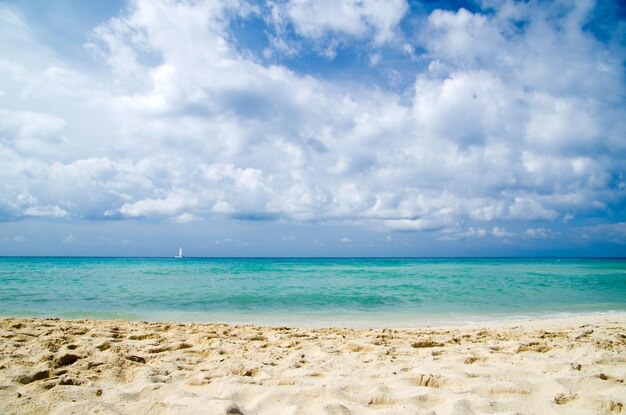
(184, 218)
(167, 206)
(28, 133)
(69, 239)
(539, 233)
(345, 240)
(48, 210)
(455, 233)
(464, 36)
(375, 59)
(501, 127)
(499, 232)
(314, 18)
(530, 208)
(607, 232)
(231, 241)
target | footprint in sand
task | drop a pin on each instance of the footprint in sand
(429, 381)
(381, 399)
(563, 398)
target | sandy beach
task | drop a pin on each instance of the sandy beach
(553, 366)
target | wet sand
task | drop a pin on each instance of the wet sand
(552, 366)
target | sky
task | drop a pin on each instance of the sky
(313, 128)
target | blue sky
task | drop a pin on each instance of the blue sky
(313, 128)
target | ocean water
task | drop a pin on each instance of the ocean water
(310, 292)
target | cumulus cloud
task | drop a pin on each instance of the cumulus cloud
(315, 18)
(456, 233)
(29, 133)
(184, 218)
(48, 210)
(610, 232)
(499, 232)
(514, 115)
(539, 233)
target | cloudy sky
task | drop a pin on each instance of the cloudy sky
(312, 127)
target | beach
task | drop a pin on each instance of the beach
(574, 365)
(298, 207)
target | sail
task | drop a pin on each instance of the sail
(180, 251)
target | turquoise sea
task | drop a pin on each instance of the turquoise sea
(310, 292)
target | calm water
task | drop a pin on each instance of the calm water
(353, 292)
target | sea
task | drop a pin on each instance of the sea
(311, 292)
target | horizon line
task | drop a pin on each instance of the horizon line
(318, 257)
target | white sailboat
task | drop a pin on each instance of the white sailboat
(180, 253)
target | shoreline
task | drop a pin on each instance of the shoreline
(568, 365)
(356, 321)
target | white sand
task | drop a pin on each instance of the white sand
(558, 366)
